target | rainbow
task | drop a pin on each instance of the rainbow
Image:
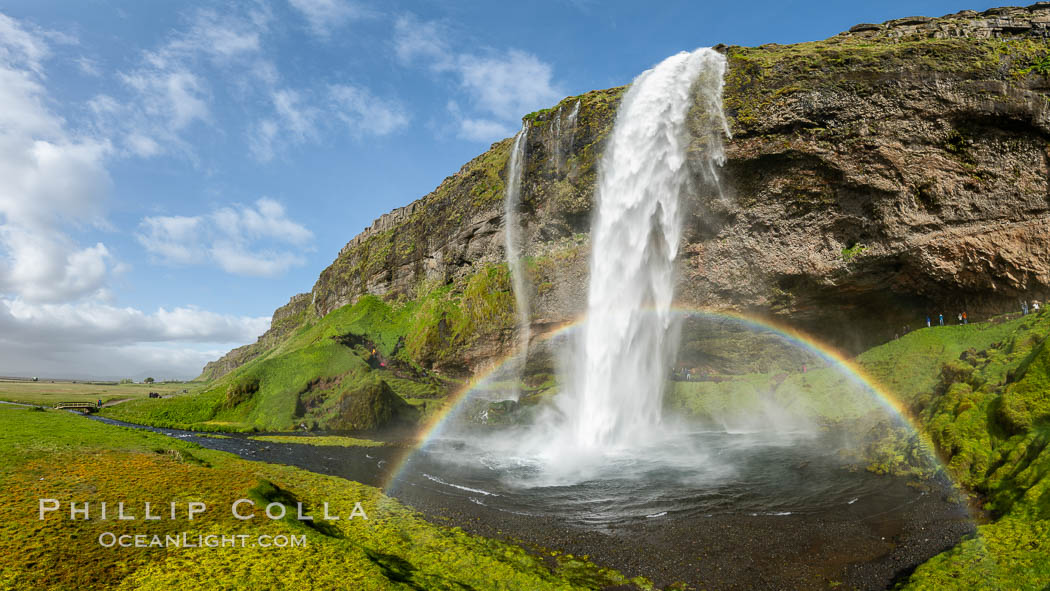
(830, 355)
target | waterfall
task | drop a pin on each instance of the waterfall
(572, 124)
(622, 359)
(512, 245)
(557, 143)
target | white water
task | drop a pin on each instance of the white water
(557, 142)
(630, 336)
(555, 135)
(512, 244)
(572, 123)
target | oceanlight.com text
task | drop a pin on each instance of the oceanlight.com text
(190, 540)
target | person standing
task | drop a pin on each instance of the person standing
(940, 319)
(965, 320)
(927, 321)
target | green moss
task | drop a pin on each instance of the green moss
(1026, 401)
(241, 390)
(1009, 554)
(320, 440)
(57, 455)
(487, 304)
(852, 252)
(761, 78)
(537, 114)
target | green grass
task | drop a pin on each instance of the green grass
(320, 440)
(57, 455)
(821, 396)
(982, 394)
(909, 367)
(48, 393)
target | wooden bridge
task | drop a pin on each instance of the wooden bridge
(81, 406)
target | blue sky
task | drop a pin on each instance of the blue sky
(171, 172)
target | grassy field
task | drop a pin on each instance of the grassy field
(48, 393)
(55, 455)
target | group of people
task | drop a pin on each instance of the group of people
(681, 374)
(1026, 308)
(962, 318)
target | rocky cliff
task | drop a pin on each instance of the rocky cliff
(889, 172)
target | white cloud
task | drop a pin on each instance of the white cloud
(294, 121)
(261, 139)
(92, 339)
(221, 38)
(481, 130)
(54, 319)
(171, 238)
(325, 16)
(17, 45)
(500, 87)
(49, 178)
(415, 39)
(176, 97)
(299, 118)
(92, 322)
(169, 87)
(510, 85)
(364, 113)
(242, 240)
(88, 66)
(234, 258)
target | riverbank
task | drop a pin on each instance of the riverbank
(57, 455)
(867, 544)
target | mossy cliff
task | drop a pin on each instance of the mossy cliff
(884, 173)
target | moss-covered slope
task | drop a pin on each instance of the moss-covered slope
(361, 367)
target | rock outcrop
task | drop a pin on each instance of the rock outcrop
(888, 172)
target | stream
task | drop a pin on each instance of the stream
(765, 513)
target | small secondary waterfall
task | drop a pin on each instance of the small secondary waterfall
(630, 337)
(558, 144)
(555, 135)
(573, 115)
(512, 244)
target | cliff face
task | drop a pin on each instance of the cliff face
(886, 173)
(891, 171)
